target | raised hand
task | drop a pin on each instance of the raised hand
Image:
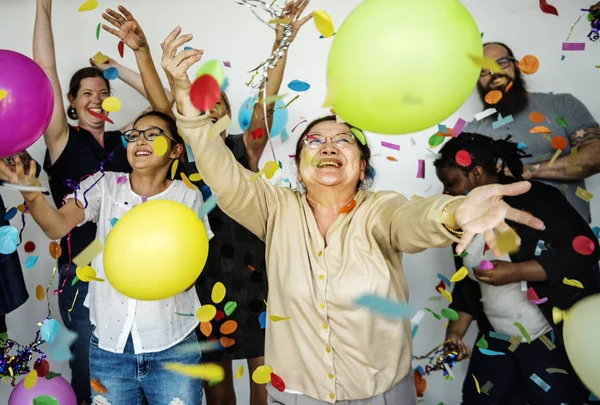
(126, 28)
(18, 176)
(293, 10)
(176, 64)
(595, 6)
(102, 67)
(484, 212)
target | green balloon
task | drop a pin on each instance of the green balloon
(214, 68)
(400, 66)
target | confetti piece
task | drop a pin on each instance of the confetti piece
(8, 239)
(228, 327)
(573, 46)
(463, 158)
(87, 274)
(523, 332)
(484, 114)
(3, 93)
(536, 117)
(438, 317)
(558, 142)
(490, 352)
(485, 265)
(391, 158)
(111, 104)
(493, 97)
(55, 250)
(280, 21)
(240, 372)
(486, 63)
(230, 307)
(562, 122)
(450, 314)
(206, 328)
(446, 295)
(500, 336)
(583, 245)
(39, 292)
(583, 194)
(547, 342)
(262, 319)
(390, 145)
(323, 23)
(258, 133)
(556, 155)
(160, 146)
(541, 383)
(506, 242)
(262, 375)
(195, 177)
(174, 167)
(435, 298)
(97, 386)
(276, 318)
(205, 92)
(547, 8)
(208, 372)
(420, 169)
(556, 370)
(508, 87)
(572, 282)
(442, 217)
(30, 379)
(51, 375)
(218, 292)
(10, 214)
(100, 116)
(89, 5)
(112, 73)
(435, 140)
(502, 122)
(89, 253)
(298, 86)
(98, 31)
(59, 350)
(458, 127)
(121, 48)
(485, 388)
(482, 343)
(206, 313)
(277, 382)
(100, 58)
(31, 261)
(540, 130)
(529, 64)
(476, 384)
(268, 170)
(443, 278)
(49, 330)
(42, 367)
(359, 135)
(459, 275)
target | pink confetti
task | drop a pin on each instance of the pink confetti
(227, 64)
(486, 265)
(583, 245)
(121, 179)
(421, 169)
(458, 127)
(573, 46)
(301, 122)
(540, 301)
(390, 145)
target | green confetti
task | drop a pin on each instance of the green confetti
(230, 307)
(435, 140)
(523, 332)
(45, 400)
(52, 374)
(359, 135)
(482, 343)
(98, 30)
(561, 121)
(463, 255)
(433, 313)
(3, 339)
(450, 314)
(76, 279)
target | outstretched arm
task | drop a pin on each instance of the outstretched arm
(57, 133)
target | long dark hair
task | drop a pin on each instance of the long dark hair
(485, 152)
(75, 85)
(365, 150)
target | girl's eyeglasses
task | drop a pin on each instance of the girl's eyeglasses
(315, 141)
(149, 134)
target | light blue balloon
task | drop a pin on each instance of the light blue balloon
(280, 118)
(8, 239)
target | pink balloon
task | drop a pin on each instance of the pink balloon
(57, 387)
(26, 109)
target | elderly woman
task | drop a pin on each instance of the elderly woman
(330, 245)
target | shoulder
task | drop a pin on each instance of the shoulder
(180, 192)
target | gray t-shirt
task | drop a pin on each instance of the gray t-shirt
(553, 106)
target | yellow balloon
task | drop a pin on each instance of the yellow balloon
(580, 332)
(155, 251)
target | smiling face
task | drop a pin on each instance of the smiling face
(140, 153)
(498, 81)
(337, 162)
(91, 94)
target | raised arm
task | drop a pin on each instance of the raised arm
(57, 133)
(255, 146)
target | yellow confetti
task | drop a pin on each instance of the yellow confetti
(89, 253)
(219, 126)
(206, 313)
(515, 341)
(39, 292)
(187, 181)
(209, 372)
(111, 104)
(87, 274)
(574, 169)
(486, 63)
(195, 177)
(574, 158)
(572, 283)
(446, 294)
(89, 5)
(273, 99)
(416, 197)
(459, 275)
(584, 194)
(30, 379)
(476, 384)
(556, 155)
(276, 318)
(442, 217)
(3, 93)
(100, 58)
(269, 170)
(262, 375)
(323, 23)
(218, 292)
(160, 145)
(240, 372)
(280, 21)
(506, 242)
(174, 168)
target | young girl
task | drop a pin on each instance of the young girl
(132, 339)
(522, 288)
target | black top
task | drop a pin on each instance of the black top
(559, 259)
(82, 157)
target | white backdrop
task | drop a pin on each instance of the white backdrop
(228, 32)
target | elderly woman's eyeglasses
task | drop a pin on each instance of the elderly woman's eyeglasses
(315, 141)
(149, 134)
(503, 62)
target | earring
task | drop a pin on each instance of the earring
(72, 113)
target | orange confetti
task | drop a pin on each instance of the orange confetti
(348, 207)
(251, 268)
(206, 328)
(187, 181)
(529, 64)
(391, 158)
(55, 250)
(558, 142)
(229, 327)
(39, 293)
(540, 130)
(536, 117)
(493, 97)
(97, 386)
(508, 87)
(226, 342)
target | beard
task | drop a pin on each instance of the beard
(513, 101)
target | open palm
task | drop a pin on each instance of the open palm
(126, 28)
(20, 176)
(293, 10)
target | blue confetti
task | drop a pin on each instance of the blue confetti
(501, 336)
(280, 164)
(187, 48)
(111, 73)
(562, 57)
(593, 397)
(542, 384)
(420, 370)
(113, 221)
(370, 173)
(206, 192)
(10, 214)
(490, 352)
(8, 239)
(442, 128)
(49, 330)
(208, 206)
(444, 279)
(321, 37)
(125, 142)
(596, 231)
(522, 145)
(384, 306)
(414, 330)
(31, 261)
(59, 349)
(262, 319)
(299, 86)
(552, 336)
(502, 121)
(190, 153)
(225, 85)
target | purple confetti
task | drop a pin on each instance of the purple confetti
(458, 127)
(485, 265)
(573, 46)
(540, 301)
(421, 169)
(227, 64)
(121, 179)
(390, 145)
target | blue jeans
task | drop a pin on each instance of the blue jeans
(137, 379)
(78, 321)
